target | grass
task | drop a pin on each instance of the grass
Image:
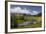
(31, 26)
(28, 18)
(20, 21)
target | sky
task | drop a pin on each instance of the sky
(33, 10)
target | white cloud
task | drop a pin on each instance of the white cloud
(19, 10)
(25, 11)
(34, 13)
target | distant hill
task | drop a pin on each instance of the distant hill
(39, 14)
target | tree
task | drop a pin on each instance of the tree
(13, 21)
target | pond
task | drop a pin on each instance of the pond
(27, 23)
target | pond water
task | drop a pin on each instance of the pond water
(27, 23)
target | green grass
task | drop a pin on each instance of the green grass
(28, 18)
(31, 26)
(19, 21)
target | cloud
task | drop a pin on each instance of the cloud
(24, 11)
(19, 10)
(34, 13)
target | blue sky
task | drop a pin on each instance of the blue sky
(27, 7)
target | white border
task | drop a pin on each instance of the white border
(26, 29)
